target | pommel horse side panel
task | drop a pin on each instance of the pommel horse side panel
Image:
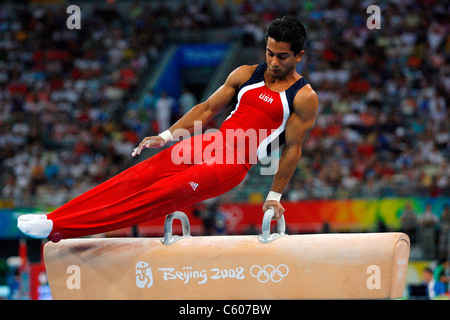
(323, 266)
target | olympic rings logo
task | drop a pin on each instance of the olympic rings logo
(269, 272)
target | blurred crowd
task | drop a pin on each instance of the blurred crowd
(383, 126)
(435, 284)
(69, 100)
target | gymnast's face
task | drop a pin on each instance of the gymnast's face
(280, 59)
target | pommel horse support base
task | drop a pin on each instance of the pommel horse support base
(268, 266)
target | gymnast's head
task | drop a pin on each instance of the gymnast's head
(285, 43)
(290, 30)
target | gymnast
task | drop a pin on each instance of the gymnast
(271, 101)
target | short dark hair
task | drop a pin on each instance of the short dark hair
(288, 29)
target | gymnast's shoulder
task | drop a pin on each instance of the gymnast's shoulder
(241, 74)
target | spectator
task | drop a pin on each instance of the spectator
(444, 238)
(428, 280)
(409, 223)
(164, 106)
(428, 222)
(441, 267)
(441, 285)
(187, 101)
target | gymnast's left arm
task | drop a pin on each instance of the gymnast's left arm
(299, 123)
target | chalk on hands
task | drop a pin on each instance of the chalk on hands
(137, 150)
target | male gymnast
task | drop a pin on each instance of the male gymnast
(271, 100)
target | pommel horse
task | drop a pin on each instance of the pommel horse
(268, 266)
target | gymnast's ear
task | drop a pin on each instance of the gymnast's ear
(299, 56)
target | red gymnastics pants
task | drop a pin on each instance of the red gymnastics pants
(152, 188)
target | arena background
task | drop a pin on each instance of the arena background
(75, 102)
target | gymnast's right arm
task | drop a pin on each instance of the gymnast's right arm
(203, 112)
